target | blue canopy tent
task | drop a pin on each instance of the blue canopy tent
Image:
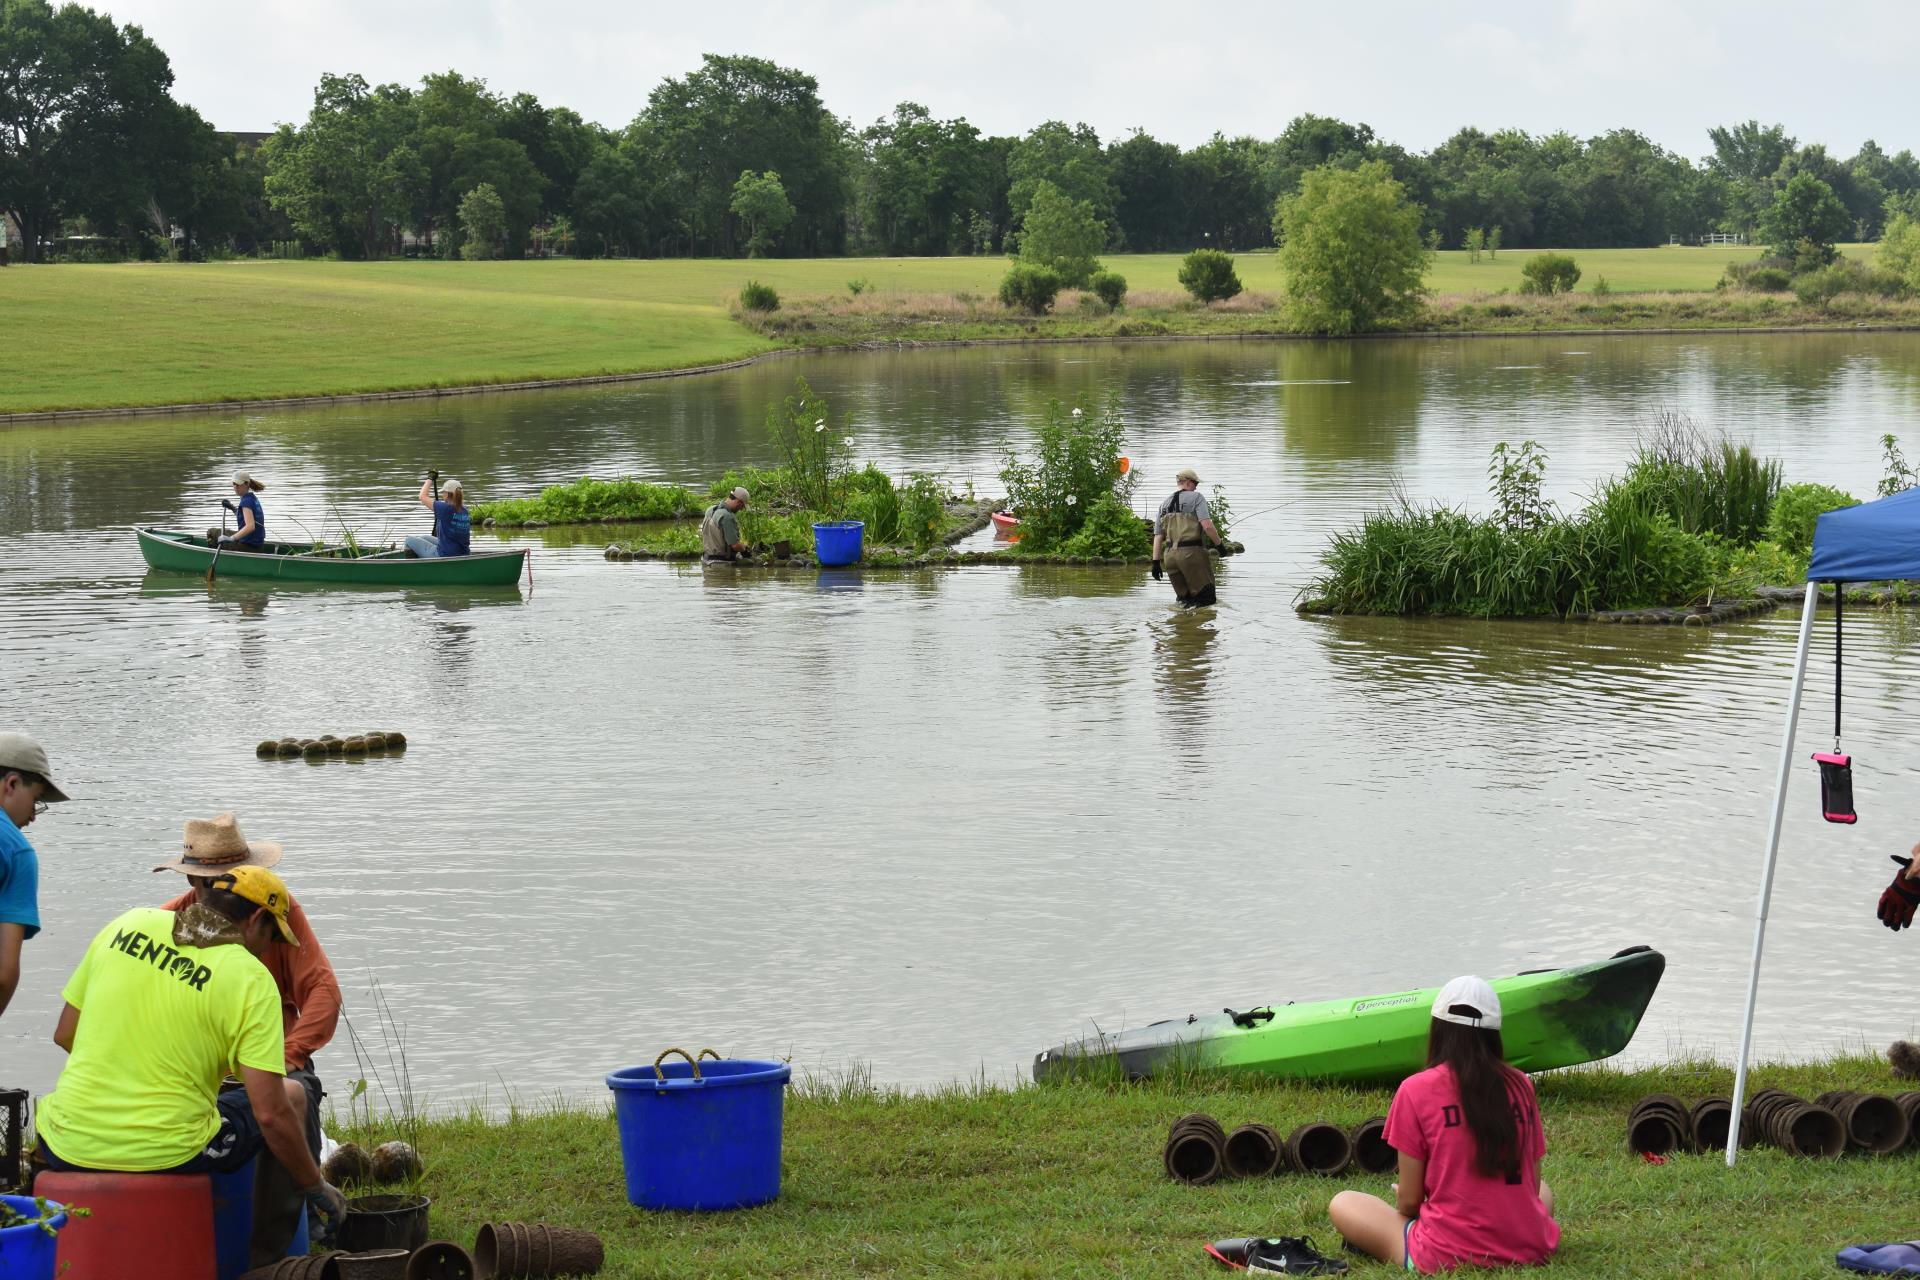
(1873, 542)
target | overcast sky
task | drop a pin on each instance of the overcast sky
(1415, 71)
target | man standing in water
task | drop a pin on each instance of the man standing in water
(1182, 530)
(720, 528)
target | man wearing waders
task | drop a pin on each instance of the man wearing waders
(720, 528)
(1182, 531)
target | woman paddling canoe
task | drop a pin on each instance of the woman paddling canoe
(247, 512)
(452, 526)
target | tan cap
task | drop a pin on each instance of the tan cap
(1189, 474)
(21, 753)
(739, 494)
(213, 845)
(241, 479)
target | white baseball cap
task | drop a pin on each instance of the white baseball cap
(1468, 992)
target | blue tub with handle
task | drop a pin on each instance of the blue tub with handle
(701, 1135)
(838, 542)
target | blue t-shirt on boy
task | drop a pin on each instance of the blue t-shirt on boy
(251, 502)
(455, 528)
(19, 878)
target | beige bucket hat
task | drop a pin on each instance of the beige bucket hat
(213, 845)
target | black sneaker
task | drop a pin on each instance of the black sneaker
(1291, 1256)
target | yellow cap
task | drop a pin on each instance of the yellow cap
(262, 888)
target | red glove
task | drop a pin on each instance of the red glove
(1898, 899)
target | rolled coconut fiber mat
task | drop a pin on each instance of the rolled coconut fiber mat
(1712, 1118)
(1659, 1124)
(1371, 1154)
(1195, 1154)
(534, 1250)
(1909, 1104)
(1795, 1125)
(1872, 1121)
(441, 1260)
(1253, 1151)
(1318, 1147)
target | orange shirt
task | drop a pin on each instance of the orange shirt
(309, 993)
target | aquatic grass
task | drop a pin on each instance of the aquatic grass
(981, 1179)
(1702, 485)
(590, 501)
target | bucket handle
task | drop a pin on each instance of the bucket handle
(691, 1061)
(709, 1053)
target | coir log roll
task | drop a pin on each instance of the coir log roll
(1370, 1150)
(1194, 1155)
(1318, 1147)
(1711, 1119)
(1253, 1151)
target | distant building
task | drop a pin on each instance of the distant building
(245, 141)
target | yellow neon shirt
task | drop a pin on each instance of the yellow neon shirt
(160, 1026)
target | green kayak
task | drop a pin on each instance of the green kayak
(1550, 1018)
(305, 562)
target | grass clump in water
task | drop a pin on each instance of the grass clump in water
(589, 501)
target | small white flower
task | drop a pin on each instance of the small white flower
(818, 427)
(1071, 500)
(819, 423)
(1076, 413)
(848, 441)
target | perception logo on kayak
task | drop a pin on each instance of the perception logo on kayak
(1385, 1003)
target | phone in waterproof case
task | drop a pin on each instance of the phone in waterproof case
(1836, 786)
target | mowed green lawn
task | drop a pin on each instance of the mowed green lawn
(145, 334)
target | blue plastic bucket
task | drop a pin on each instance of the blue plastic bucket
(838, 542)
(26, 1253)
(233, 1223)
(704, 1138)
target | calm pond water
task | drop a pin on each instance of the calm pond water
(933, 822)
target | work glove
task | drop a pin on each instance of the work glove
(1156, 571)
(1898, 899)
(228, 504)
(325, 1199)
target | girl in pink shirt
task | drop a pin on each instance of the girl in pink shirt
(1468, 1133)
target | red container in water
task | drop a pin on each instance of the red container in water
(158, 1226)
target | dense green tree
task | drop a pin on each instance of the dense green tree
(612, 203)
(1310, 141)
(1805, 220)
(1900, 249)
(1062, 234)
(558, 142)
(483, 223)
(1228, 198)
(735, 113)
(81, 102)
(761, 202)
(923, 182)
(1351, 251)
(1628, 190)
(1071, 158)
(1747, 156)
(1149, 210)
(349, 178)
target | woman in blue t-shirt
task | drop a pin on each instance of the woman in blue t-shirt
(252, 533)
(452, 526)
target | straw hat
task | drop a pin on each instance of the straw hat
(243, 479)
(213, 845)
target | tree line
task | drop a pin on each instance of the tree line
(741, 156)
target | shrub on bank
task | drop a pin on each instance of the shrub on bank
(1209, 276)
(1110, 287)
(1549, 273)
(1076, 462)
(1111, 529)
(755, 296)
(1030, 289)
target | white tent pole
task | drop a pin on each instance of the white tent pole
(1773, 853)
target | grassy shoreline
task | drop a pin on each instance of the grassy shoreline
(1065, 1181)
(152, 336)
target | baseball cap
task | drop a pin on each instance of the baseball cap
(739, 493)
(1468, 992)
(1189, 474)
(18, 751)
(241, 478)
(264, 889)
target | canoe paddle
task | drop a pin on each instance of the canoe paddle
(433, 483)
(226, 505)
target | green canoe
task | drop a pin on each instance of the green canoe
(304, 562)
(1550, 1018)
